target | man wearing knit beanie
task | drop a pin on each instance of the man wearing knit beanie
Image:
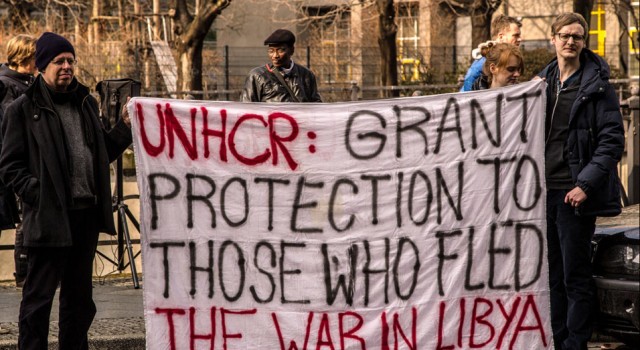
(55, 59)
(56, 156)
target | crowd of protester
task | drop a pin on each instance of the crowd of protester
(55, 156)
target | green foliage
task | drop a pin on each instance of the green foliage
(534, 61)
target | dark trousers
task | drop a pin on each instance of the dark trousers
(72, 267)
(570, 277)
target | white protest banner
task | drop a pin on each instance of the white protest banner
(409, 223)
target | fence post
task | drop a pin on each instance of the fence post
(355, 89)
(308, 57)
(633, 151)
(455, 58)
(226, 71)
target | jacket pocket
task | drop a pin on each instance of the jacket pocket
(31, 195)
(583, 144)
(605, 199)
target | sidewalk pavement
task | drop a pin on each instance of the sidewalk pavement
(119, 323)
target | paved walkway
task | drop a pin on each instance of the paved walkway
(119, 323)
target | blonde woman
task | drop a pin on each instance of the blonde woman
(15, 77)
(17, 74)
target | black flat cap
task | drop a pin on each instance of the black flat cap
(281, 36)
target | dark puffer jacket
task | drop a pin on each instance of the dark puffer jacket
(262, 86)
(482, 83)
(595, 139)
(35, 162)
(12, 86)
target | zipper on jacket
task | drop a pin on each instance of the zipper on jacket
(553, 113)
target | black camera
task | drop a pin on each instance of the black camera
(113, 94)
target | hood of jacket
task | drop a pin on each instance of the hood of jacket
(595, 77)
(23, 78)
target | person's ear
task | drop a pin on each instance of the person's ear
(293, 49)
(493, 69)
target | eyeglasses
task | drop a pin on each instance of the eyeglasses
(279, 50)
(564, 37)
(61, 61)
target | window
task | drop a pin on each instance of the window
(634, 50)
(408, 37)
(597, 32)
(329, 34)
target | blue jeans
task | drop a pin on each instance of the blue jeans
(570, 276)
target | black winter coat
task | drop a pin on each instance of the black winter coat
(261, 85)
(12, 86)
(482, 83)
(34, 161)
(595, 139)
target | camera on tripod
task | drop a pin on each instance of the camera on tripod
(113, 95)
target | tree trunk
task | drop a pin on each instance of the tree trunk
(481, 12)
(190, 31)
(95, 26)
(584, 8)
(387, 30)
(156, 20)
(190, 68)
(480, 27)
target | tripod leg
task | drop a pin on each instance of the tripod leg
(132, 262)
(132, 218)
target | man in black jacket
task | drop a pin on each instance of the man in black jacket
(282, 80)
(584, 141)
(56, 156)
(15, 77)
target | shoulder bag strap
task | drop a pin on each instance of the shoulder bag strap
(276, 72)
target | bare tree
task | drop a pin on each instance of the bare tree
(387, 30)
(627, 18)
(191, 26)
(481, 13)
(19, 13)
(311, 19)
(56, 15)
(584, 8)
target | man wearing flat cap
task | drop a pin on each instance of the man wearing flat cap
(282, 80)
(56, 155)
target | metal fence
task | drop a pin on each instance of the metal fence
(225, 69)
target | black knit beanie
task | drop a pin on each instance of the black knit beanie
(50, 45)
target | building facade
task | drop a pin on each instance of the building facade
(337, 38)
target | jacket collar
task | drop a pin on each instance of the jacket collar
(41, 97)
(289, 71)
(22, 77)
(594, 77)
